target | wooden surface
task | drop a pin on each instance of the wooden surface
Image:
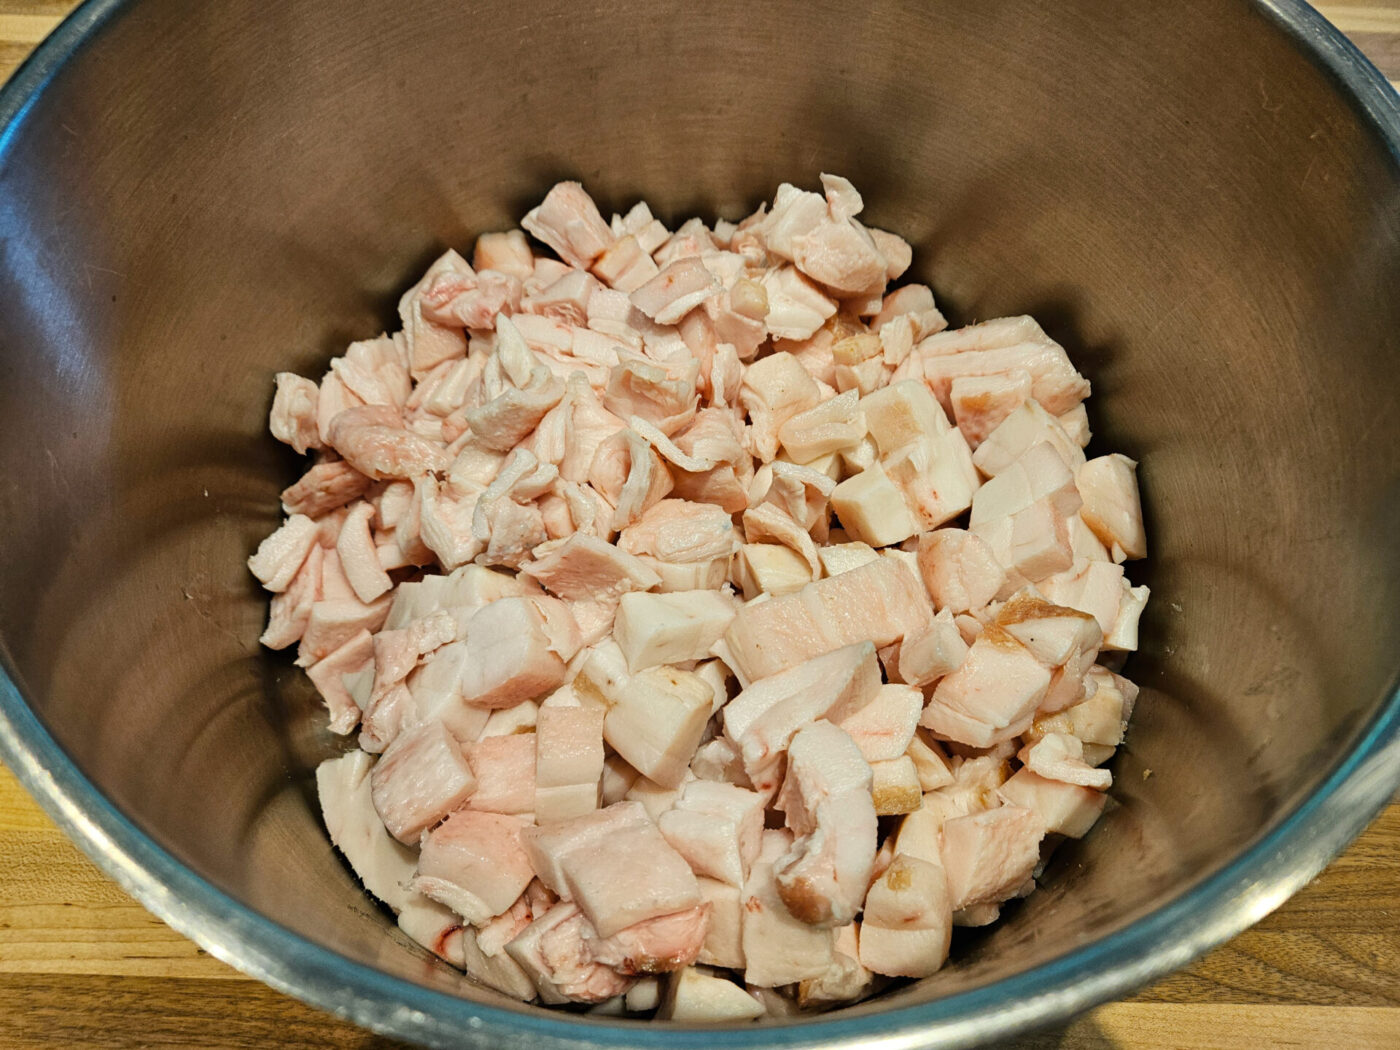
(81, 965)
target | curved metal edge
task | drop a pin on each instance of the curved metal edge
(1366, 85)
(1201, 918)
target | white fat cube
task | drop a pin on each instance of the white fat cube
(474, 864)
(617, 779)
(872, 508)
(936, 476)
(724, 944)
(837, 558)
(1094, 587)
(1076, 424)
(778, 949)
(980, 403)
(1038, 474)
(928, 655)
(770, 568)
(644, 995)
(831, 426)
(656, 721)
(1064, 809)
(858, 458)
(1124, 636)
(421, 777)
(716, 827)
(1112, 505)
(930, 763)
(655, 798)
(1028, 425)
(884, 728)
(508, 721)
(895, 786)
(670, 628)
(436, 687)
(908, 922)
(568, 761)
(901, 414)
(384, 865)
(695, 996)
(845, 980)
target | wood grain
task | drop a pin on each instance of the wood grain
(77, 953)
(83, 965)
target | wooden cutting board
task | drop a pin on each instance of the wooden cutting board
(83, 965)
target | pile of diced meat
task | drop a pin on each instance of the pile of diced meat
(721, 630)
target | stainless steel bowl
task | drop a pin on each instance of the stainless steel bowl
(1202, 200)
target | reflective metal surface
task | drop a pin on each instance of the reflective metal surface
(1201, 200)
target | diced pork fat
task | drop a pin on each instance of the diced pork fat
(1059, 756)
(884, 728)
(323, 488)
(504, 767)
(907, 926)
(1063, 809)
(517, 649)
(1112, 506)
(826, 797)
(328, 675)
(670, 628)
(761, 373)
(717, 828)
(474, 864)
(994, 694)
(778, 948)
(280, 555)
(880, 602)
(348, 810)
(585, 567)
(568, 221)
(553, 952)
(373, 440)
(661, 945)
(655, 717)
(568, 762)
(333, 622)
(763, 719)
(980, 403)
(990, 855)
(419, 779)
(293, 417)
(615, 865)
(290, 610)
(698, 997)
